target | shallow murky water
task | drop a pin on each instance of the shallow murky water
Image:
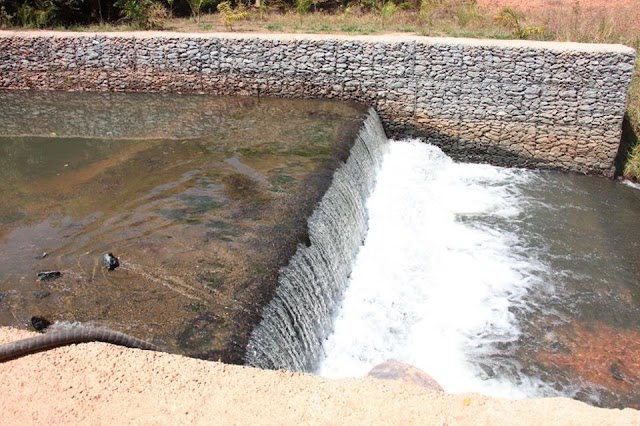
(201, 198)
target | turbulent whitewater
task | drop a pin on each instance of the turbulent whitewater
(299, 316)
(426, 284)
(507, 282)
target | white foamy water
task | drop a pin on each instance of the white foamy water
(432, 286)
(631, 184)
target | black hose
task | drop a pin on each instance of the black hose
(69, 336)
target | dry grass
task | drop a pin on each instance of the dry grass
(353, 21)
(561, 21)
(632, 167)
(594, 23)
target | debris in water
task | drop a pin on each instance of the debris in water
(615, 372)
(40, 323)
(110, 261)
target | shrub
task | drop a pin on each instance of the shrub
(387, 10)
(197, 5)
(303, 6)
(513, 21)
(427, 9)
(467, 12)
(230, 15)
(632, 168)
(36, 15)
(147, 14)
(5, 17)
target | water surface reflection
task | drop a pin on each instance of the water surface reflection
(202, 198)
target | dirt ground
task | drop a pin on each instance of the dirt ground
(97, 383)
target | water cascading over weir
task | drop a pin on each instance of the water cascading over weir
(511, 103)
(299, 316)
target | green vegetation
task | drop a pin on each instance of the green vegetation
(561, 21)
(513, 21)
(147, 14)
(303, 6)
(632, 167)
(429, 17)
(274, 27)
(230, 14)
(196, 7)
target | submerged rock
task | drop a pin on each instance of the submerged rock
(49, 275)
(41, 294)
(615, 372)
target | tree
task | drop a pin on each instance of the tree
(196, 7)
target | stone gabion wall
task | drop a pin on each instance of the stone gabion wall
(532, 104)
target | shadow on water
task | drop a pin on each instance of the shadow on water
(627, 142)
(476, 151)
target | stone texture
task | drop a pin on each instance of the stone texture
(512, 103)
(395, 370)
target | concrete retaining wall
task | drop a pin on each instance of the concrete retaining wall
(533, 104)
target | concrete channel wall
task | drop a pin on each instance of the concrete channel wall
(514, 103)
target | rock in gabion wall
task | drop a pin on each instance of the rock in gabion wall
(515, 103)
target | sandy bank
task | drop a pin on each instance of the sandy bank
(102, 384)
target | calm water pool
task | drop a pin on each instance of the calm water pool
(203, 199)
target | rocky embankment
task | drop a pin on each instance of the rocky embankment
(510, 103)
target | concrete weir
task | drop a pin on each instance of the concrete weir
(514, 103)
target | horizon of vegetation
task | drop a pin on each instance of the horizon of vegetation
(453, 18)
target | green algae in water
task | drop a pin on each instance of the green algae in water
(203, 199)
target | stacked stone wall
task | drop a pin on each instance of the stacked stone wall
(514, 103)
